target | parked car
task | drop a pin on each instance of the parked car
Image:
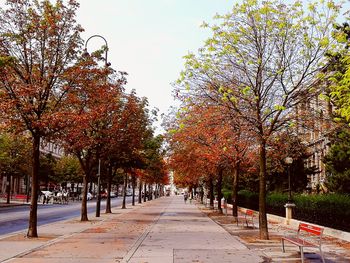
(89, 196)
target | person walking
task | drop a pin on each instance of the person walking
(185, 197)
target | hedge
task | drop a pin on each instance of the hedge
(329, 210)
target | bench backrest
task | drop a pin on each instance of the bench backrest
(313, 232)
(249, 212)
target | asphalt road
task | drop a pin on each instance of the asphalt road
(15, 218)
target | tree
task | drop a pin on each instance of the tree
(190, 156)
(125, 139)
(261, 62)
(337, 162)
(93, 109)
(39, 42)
(281, 146)
(67, 169)
(208, 136)
(14, 152)
(338, 74)
(46, 169)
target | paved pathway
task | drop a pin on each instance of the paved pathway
(184, 234)
(163, 230)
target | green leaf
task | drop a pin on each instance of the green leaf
(246, 90)
(324, 42)
(279, 107)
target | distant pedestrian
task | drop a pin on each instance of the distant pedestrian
(185, 197)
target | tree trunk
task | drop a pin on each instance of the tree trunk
(140, 191)
(124, 191)
(149, 193)
(234, 190)
(144, 192)
(161, 190)
(211, 193)
(201, 194)
(117, 193)
(109, 186)
(33, 217)
(90, 185)
(84, 216)
(133, 182)
(8, 188)
(218, 189)
(263, 230)
(27, 188)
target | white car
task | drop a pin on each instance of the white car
(89, 196)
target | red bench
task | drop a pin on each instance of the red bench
(246, 217)
(306, 236)
(20, 197)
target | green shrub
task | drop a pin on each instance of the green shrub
(276, 199)
(248, 199)
(227, 193)
(331, 210)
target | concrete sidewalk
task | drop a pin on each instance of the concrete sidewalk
(184, 234)
(163, 230)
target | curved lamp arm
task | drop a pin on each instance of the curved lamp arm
(106, 52)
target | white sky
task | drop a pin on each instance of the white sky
(148, 38)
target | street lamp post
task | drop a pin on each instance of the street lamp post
(289, 161)
(98, 202)
(289, 206)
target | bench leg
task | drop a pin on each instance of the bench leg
(301, 254)
(283, 246)
(250, 221)
(322, 255)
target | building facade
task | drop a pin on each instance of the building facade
(20, 184)
(317, 125)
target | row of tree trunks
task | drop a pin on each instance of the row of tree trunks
(219, 192)
(146, 196)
